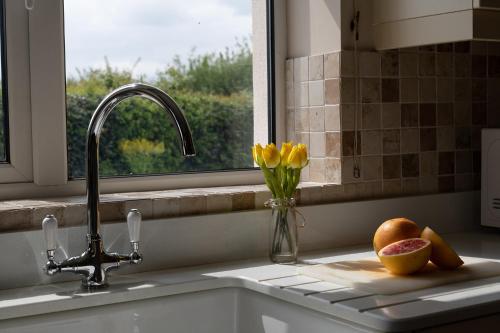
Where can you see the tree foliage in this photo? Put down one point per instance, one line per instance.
(215, 92)
(224, 73)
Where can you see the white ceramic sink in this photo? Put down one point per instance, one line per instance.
(227, 310)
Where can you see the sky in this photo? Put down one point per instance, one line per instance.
(152, 30)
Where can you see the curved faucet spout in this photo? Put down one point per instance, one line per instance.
(94, 131)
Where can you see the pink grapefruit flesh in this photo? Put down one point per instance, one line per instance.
(409, 245)
(406, 256)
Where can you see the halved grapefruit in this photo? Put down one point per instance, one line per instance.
(406, 256)
(442, 254)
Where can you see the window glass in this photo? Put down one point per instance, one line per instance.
(3, 97)
(198, 51)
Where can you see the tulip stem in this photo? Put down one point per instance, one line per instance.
(282, 231)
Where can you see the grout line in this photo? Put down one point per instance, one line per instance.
(295, 285)
(324, 291)
(276, 278)
(351, 298)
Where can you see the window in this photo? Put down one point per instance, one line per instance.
(198, 51)
(63, 57)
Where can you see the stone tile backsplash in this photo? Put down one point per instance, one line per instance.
(419, 118)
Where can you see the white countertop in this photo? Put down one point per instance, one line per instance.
(382, 312)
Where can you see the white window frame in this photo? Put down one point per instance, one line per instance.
(18, 94)
(47, 172)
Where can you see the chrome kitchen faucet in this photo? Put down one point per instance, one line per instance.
(94, 263)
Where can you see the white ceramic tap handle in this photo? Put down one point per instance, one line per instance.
(49, 226)
(134, 218)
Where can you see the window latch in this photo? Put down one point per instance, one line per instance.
(29, 4)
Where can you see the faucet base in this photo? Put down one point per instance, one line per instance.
(86, 286)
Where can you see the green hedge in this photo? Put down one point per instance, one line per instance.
(222, 127)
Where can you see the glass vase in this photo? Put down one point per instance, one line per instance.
(284, 231)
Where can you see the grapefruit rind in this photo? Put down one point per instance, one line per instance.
(406, 256)
(394, 230)
(442, 254)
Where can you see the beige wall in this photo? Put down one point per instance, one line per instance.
(313, 27)
(322, 26)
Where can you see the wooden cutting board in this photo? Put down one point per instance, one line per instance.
(370, 275)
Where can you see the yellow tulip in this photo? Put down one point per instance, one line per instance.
(294, 158)
(257, 154)
(271, 155)
(286, 148)
(298, 157)
(303, 154)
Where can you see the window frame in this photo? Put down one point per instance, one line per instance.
(49, 173)
(19, 167)
(4, 86)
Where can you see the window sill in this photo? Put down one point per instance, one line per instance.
(17, 215)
